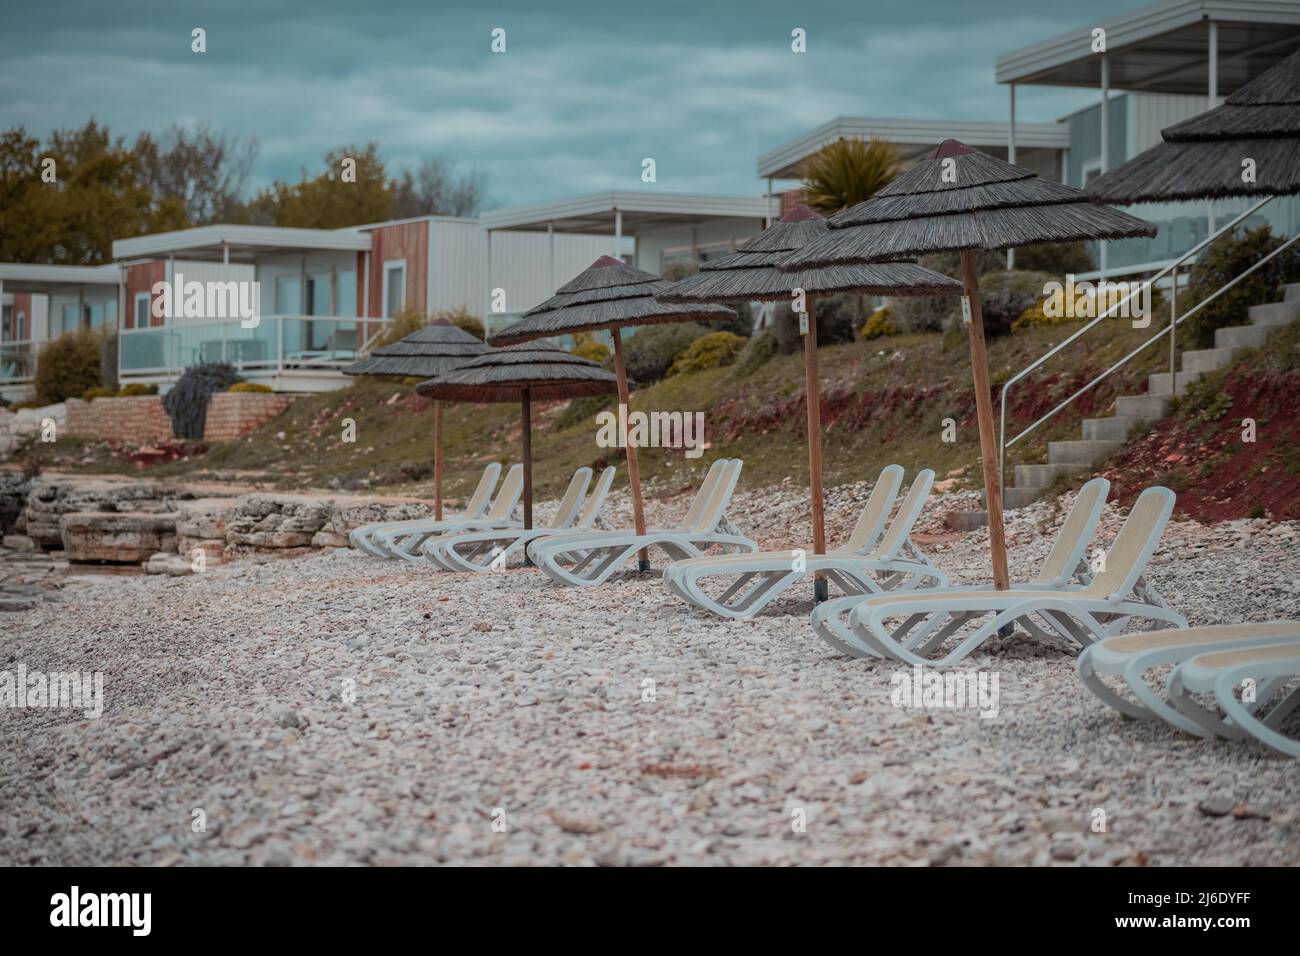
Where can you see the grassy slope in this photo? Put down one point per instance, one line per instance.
(883, 401)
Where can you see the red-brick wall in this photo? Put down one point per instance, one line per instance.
(790, 199)
(22, 329)
(409, 241)
(141, 278)
(231, 414)
(138, 420)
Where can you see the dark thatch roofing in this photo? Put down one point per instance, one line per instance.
(986, 204)
(608, 294)
(501, 375)
(1202, 157)
(432, 350)
(750, 272)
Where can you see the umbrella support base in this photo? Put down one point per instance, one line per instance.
(821, 591)
(643, 565)
(1006, 630)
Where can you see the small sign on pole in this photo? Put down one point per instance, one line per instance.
(803, 323)
(965, 310)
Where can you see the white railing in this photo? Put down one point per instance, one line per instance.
(1170, 330)
(17, 362)
(278, 343)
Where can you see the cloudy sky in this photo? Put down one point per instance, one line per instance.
(582, 93)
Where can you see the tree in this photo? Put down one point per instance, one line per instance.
(352, 190)
(435, 189)
(205, 172)
(844, 173)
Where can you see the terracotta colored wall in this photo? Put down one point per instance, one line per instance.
(409, 241)
(22, 303)
(138, 420)
(141, 278)
(231, 414)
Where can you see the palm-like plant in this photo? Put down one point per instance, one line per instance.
(847, 172)
(844, 173)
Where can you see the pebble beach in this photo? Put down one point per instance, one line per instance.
(342, 709)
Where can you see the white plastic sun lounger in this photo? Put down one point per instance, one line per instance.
(1132, 656)
(589, 558)
(1261, 672)
(405, 542)
(486, 550)
(1102, 608)
(363, 537)
(864, 565)
(1066, 564)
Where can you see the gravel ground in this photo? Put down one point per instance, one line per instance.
(342, 709)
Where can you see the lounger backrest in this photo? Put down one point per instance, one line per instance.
(908, 512)
(508, 496)
(478, 501)
(591, 511)
(716, 506)
(1071, 543)
(1134, 545)
(874, 513)
(572, 499)
(702, 496)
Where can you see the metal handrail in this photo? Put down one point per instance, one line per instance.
(1171, 268)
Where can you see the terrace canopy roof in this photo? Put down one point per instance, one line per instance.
(42, 278)
(624, 213)
(1163, 48)
(913, 139)
(239, 243)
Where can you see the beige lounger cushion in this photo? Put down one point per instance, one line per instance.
(1209, 634)
(1249, 655)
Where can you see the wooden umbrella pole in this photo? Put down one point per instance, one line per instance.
(633, 466)
(984, 413)
(815, 448)
(527, 405)
(437, 459)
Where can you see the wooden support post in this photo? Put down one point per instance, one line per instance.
(437, 459)
(984, 413)
(527, 405)
(633, 466)
(820, 592)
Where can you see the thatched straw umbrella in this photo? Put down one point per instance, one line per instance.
(612, 295)
(959, 199)
(436, 348)
(750, 273)
(1203, 157)
(522, 373)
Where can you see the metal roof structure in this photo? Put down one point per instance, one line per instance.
(601, 214)
(241, 243)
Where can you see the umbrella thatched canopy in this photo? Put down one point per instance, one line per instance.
(609, 294)
(750, 273)
(1201, 158)
(959, 199)
(522, 373)
(436, 348)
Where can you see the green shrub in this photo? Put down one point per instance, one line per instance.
(133, 389)
(187, 403)
(586, 346)
(1225, 259)
(1056, 258)
(880, 322)
(463, 320)
(68, 366)
(582, 411)
(99, 391)
(255, 387)
(1257, 511)
(1006, 296)
(757, 352)
(708, 351)
(650, 352)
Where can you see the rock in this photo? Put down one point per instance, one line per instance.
(116, 537)
(19, 542)
(175, 565)
(10, 603)
(1215, 807)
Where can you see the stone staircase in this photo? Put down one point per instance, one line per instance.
(1102, 437)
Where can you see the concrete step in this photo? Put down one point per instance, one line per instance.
(1080, 452)
(1145, 408)
(1013, 498)
(1108, 429)
(1160, 383)
(1206, 360)
(1275, 313)
(1241, 337)
(1291, 292)
(1041, 476)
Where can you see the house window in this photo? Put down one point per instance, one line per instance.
(394, 287)
(142, 306)
(7, 331)
(318, 294)
(288, 295)
(346, 306)
(69, 319)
